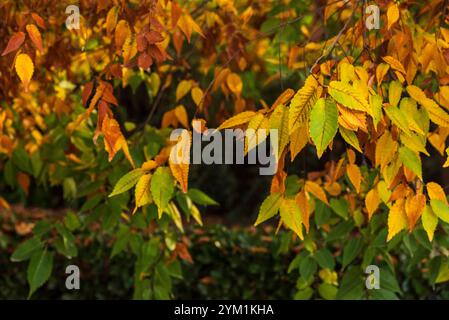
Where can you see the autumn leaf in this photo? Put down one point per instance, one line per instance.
(179, 160)
(269, 208)
(142, 192)
(429, 221)
(24, 69)
(348, 96)
(372, 202)
(35, 36)
(183, 88)
(14, 42)
(414, 207)
(315, 189)
(234, 83)
(392, 15)
(397, 219)
(237, 120)
(114, 139)
(291, 216)
(301, 104)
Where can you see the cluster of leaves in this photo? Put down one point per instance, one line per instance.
(382, 93)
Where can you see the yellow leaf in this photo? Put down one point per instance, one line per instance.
(414, 207)
(395, 64)
(181, 116)
(24, 69)
(315, 189)
(291, 216)
(188, 25)
(197, 95)
(372, 202)
(397, 219)
(234, 83)
(355, 176)
(392, 15)
(349, 96)
(129, 49)
(435, 191)
(253, 136)
(279, 122)
(383, 191)
(429, 221)
(237, 120)
(381, 71)
(142, 192)
(179, 160)
(183, 88)
(386, 148)
(394, 92)
(302, 103)
(436, 113)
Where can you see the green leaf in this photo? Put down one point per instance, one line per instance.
(340, 207)
(71, 221)
(323, 123)
(348, 96)
(21, 159)
(429, 221)
(269, 208)
(441, 209)
(120, 243)
(351, 250)
(162, 188)
(327, 291)
(325, 259)
(411, 160)
(127, 182)
(201, 198)
(351, 287)
(350, 137)
(39, 269)
(307, 267)
(398, 118)
(26, 249)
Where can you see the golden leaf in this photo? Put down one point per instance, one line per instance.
(24, 69)
(234, 83)
(414, 207)
(435, 191)
(179, 160)
(315, 189)
(397, 219)
(142, 192)
(372, 202)
(355, 176)
(392, 15)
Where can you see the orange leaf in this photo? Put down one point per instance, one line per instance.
(14, 42)
(315, 189)
(35, 36)
(414, 207)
